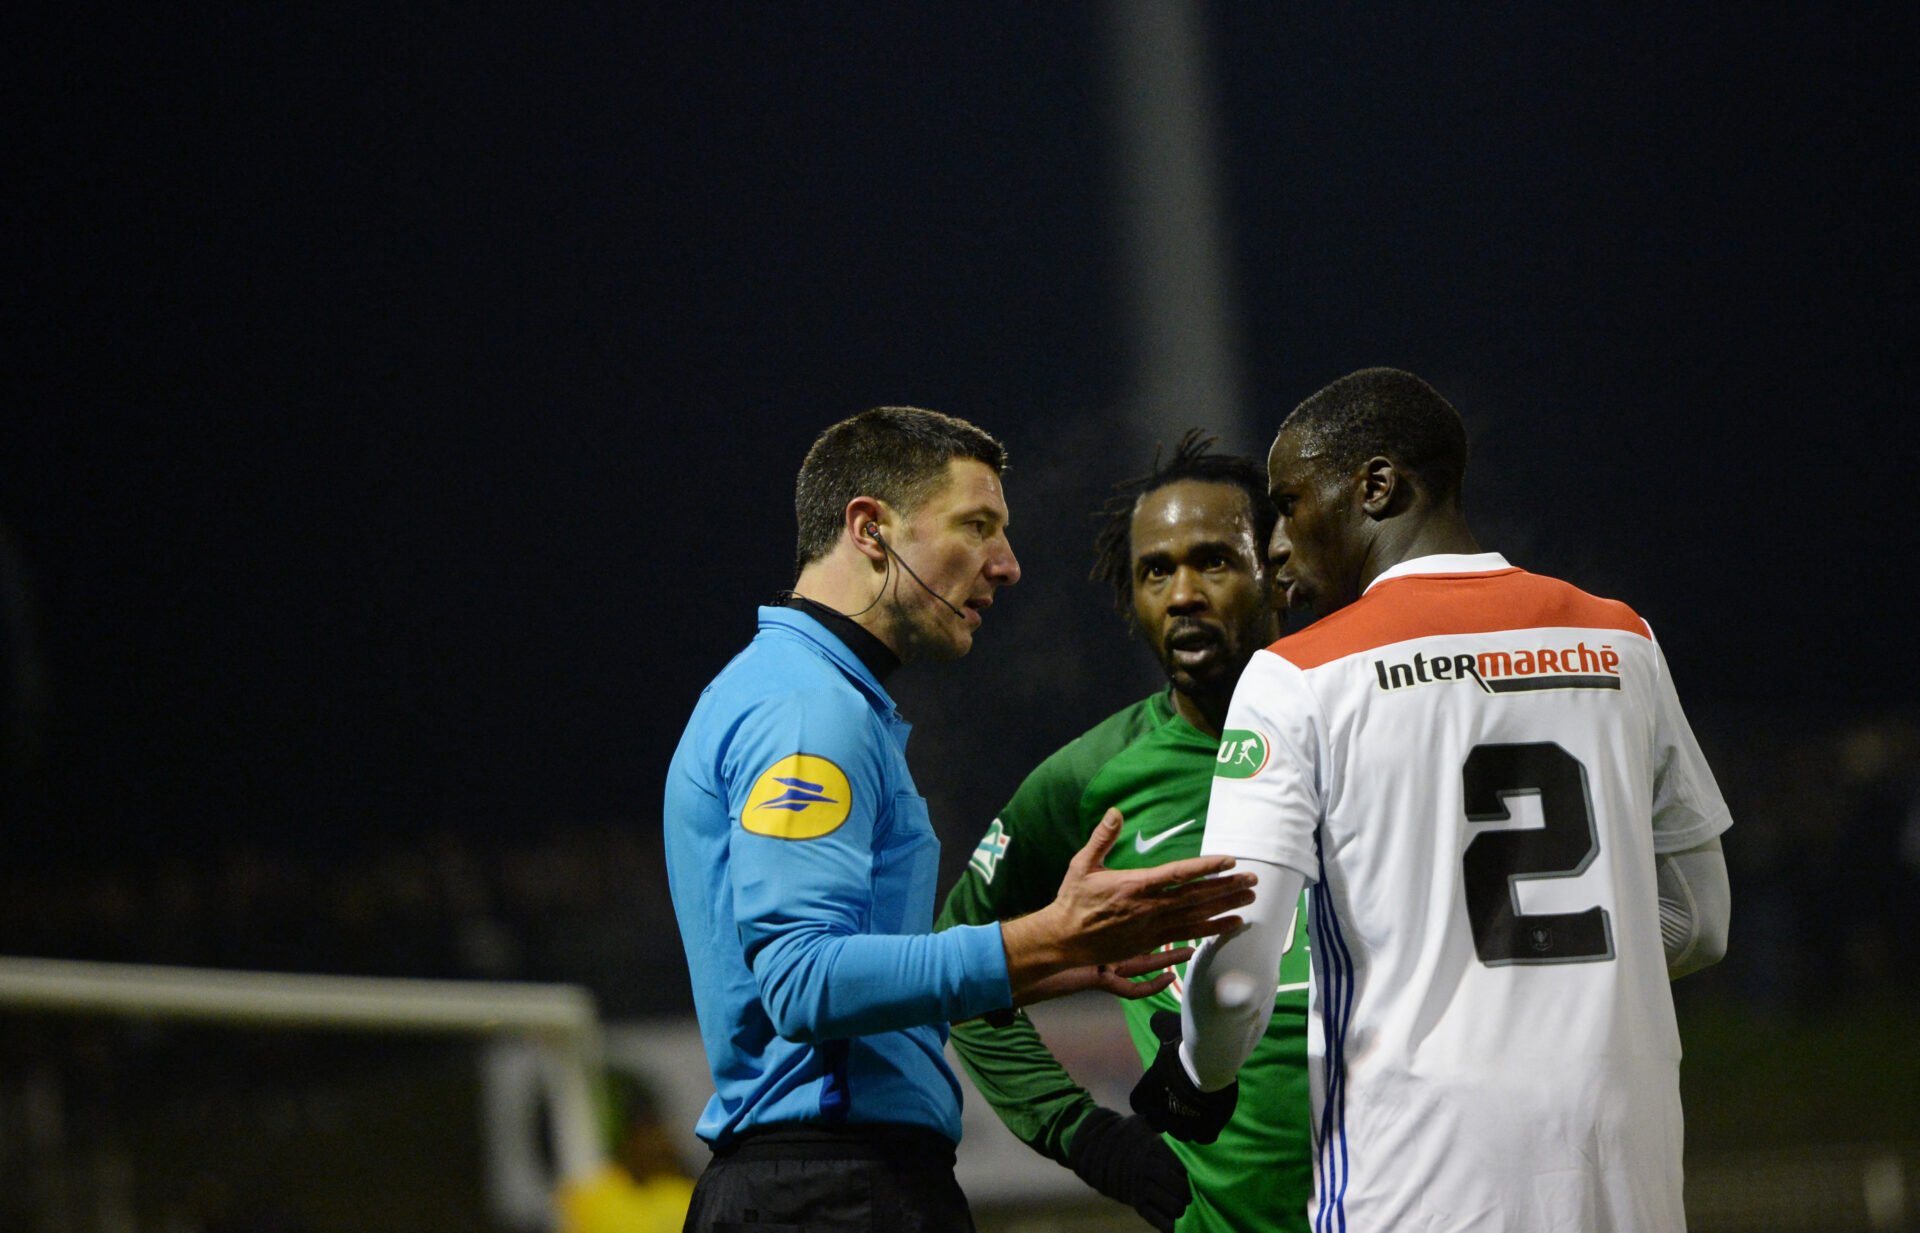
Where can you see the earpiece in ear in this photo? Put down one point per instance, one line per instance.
(872, 532)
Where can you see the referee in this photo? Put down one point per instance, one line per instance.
(802, 862)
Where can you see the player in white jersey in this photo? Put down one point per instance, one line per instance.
(1512, 840)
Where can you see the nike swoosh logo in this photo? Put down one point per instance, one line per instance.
(1142, 844)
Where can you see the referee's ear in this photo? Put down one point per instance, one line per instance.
(862, 522)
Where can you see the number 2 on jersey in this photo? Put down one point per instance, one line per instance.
(1495, 860)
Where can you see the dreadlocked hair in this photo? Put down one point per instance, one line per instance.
(1192, 459)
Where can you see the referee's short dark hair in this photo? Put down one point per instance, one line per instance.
(1384, 412)
(1192, 460)
(896, 454)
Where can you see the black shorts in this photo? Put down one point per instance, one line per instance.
(818, 1179)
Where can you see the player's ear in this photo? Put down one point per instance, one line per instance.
(1382, 487)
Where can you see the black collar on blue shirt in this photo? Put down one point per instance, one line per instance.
(875, 654)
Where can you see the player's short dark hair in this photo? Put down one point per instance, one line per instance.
(1192, 460)
(896, 454)
(1384, 412)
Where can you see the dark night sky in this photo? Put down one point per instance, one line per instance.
(403, 403)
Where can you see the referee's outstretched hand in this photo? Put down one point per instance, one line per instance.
(1109, 916)
(1170, 1101)
(1124, 1159)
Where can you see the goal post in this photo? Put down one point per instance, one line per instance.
(560, 1020)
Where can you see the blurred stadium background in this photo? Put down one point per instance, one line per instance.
(402, 405)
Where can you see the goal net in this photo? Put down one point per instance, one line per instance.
(178, 1100)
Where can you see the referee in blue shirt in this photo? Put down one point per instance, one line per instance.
(802, 862)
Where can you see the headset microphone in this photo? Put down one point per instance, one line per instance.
(873, 533)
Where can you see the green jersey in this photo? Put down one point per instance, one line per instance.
(1157, 769)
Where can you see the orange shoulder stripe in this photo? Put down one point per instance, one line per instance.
(1432, 605)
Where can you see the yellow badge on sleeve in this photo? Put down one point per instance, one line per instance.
(798, 797)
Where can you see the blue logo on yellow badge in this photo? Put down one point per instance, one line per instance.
(798, 797)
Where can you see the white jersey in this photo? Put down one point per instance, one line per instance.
(1475, 766)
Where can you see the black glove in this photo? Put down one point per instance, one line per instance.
(1169, 1100)
(1124, 1159)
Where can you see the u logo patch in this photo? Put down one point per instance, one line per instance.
(798, 797)
(1242, 755)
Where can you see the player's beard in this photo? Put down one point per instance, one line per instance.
(1209, 683)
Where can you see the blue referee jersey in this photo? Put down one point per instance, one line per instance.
(803, 870)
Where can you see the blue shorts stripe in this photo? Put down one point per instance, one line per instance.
(1336, 960)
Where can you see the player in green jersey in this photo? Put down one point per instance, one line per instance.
(1184, 548)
